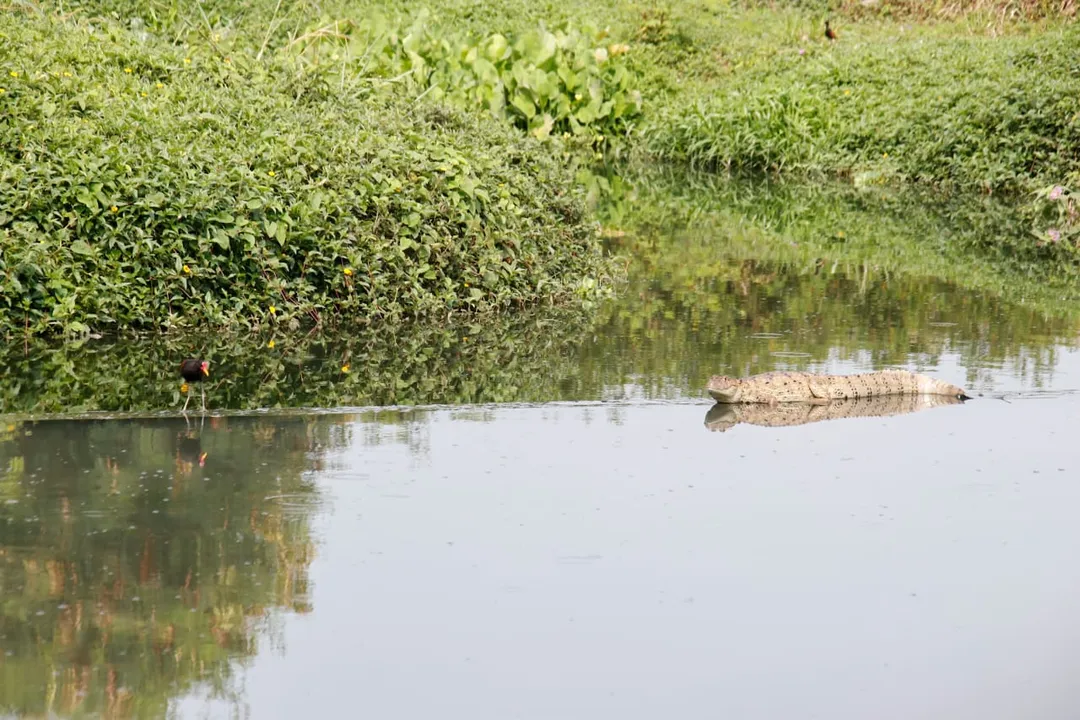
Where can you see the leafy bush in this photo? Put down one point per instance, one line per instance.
(148, 186)
(566, 81)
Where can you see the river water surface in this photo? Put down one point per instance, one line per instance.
(552, 527)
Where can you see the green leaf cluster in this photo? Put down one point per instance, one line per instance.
(152, 186)
(570, 81)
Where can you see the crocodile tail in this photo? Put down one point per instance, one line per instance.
(932, 386)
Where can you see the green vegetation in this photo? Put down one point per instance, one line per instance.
(142, 185)
(236, 164)
(869, 277)
(979, 113)
(746, 277)
(976, 242)
(565, 82)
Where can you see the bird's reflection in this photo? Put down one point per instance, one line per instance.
(189, 452)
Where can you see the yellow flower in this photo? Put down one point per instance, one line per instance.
(273, 309)
(114, 209)
(847, 92)
(347, 271)
(466, 284)
(184, 387)
(13, 74)
(159, 85)
(67, 74)
(271, 173)
(187, 270)
(885, 155)
(187, 61)
(143, 93)
(270, 344)
(840, 234)
(127, 70)
(345, 368)
(1, 91)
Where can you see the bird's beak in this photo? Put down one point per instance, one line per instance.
(206, 369)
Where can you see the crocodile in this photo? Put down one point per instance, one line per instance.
(724, 416)
(779, 387)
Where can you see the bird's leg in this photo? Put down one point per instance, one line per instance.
(186, 400)
(203, 388)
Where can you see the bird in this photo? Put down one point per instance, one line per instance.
(829, 32)
(194, 371)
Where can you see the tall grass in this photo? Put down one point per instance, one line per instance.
(979, 113)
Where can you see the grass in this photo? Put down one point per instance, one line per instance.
(977, 113)
(424, 155)
(152, 186)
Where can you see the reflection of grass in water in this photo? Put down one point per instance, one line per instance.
(838, 274)
(132, 573)
(504, 358)
(871, 277)
(973, 241)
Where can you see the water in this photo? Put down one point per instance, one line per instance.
(560, 524)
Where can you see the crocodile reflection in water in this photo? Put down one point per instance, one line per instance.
(722, 416)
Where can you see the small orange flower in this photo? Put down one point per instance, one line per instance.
(184, 388)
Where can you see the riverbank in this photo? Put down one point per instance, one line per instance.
(245, 165)
(145, 185)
